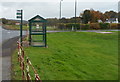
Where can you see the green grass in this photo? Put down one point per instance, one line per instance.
(15, 27)
(25, 27)
(74, 56)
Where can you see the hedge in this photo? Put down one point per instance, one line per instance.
(113, 26)
(91, 26)
(61, 26)
(94, 26)
(84, 26)
(118, 26)
(104, 25)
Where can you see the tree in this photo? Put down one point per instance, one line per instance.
(72, 20)
(4, 21)
(119, 17)
(103, 17)
(86, 16)
(96, 15)
(92, 16)
(63, 20)
(111, 15)
(52, 21)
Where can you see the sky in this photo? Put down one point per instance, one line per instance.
(51, 8)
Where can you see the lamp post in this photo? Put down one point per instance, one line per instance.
(75, 12)
(119, 12)
(60, 8)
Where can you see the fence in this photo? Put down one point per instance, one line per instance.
(25, 65)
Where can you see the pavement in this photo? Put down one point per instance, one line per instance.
(8, 43)
(8, 48)
(0, 68)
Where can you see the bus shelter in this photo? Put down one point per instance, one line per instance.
(37, 31)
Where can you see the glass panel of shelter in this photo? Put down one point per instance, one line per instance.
(37, 27)
(37, 40)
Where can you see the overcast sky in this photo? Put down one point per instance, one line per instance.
(50, 8)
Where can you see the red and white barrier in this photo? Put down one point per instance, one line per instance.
(25, 65)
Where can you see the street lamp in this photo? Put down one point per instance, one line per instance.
(75, 9)
(60, 8)
(75, 12)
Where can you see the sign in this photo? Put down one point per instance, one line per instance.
(19, 13)
(18, 16)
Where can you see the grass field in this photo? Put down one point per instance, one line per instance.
(17, 27)
(74, 56)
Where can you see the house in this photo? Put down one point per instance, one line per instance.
(17, 23)
(112, 20)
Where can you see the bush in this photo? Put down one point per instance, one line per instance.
(113, 26)
(118, 26)
(61, 26)
(78, 26)
(94, 26)
(70, 25)
(84, 26)
(104, 25)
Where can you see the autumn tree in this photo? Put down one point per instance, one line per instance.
(96, 15)
(103, 17)
(93, 16)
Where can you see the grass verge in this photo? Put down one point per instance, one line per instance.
(74, 56)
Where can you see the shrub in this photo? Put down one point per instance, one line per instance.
(113, 26)
(61, 26)
(94, 26)
(78, 26)
(84, 26)
(118, 26)
(104, 25)
(70, 25)
(88, 26)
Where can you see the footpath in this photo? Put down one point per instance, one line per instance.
(8, 48)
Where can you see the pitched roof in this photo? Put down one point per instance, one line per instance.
(37, 18)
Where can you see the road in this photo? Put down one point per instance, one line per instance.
(7, 45)
(0, 57)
